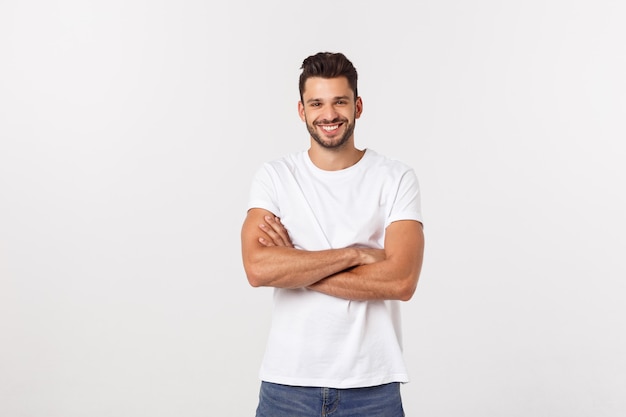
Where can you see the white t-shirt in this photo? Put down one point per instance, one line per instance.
(316, 339)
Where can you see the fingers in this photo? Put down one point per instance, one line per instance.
(276, 233)
(266, 242)
(278, 227)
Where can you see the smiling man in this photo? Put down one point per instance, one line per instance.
(337, 232)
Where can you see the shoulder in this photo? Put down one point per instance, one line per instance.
(377, 161)
(286, 163)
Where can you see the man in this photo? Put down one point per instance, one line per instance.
(337, 232)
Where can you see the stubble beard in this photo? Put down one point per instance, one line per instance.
(331, 145)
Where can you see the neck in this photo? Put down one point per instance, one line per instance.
(334, 159)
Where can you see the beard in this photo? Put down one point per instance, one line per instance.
(331, 144)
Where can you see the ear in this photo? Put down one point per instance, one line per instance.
(301, 111)
(359, 107)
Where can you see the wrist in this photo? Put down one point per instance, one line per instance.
(360, 257)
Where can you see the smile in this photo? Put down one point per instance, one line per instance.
(330, 128)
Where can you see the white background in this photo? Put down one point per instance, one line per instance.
(129, 133)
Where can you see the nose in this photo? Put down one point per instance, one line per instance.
(329, 113)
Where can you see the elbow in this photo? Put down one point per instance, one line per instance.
(258, 273)
(255, 276)
(408, 284)
(254, 281)
(407, 288)
(254, 272)
(260, 270)
(406, 294)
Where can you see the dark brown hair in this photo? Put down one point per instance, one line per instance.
(328, 65)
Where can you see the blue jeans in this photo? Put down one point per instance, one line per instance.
(277, 400)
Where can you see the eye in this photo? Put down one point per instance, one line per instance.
(341, 102)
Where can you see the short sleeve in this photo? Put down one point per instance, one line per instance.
(407, 203)
(263, 191)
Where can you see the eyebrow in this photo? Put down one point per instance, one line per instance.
(317, 100)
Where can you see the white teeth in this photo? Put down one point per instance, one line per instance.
(329, 128)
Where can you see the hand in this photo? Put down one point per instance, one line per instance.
(276, 234)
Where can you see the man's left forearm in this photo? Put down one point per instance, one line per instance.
(379, 281)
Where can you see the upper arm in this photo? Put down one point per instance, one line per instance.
(250, 234)
(404, 250)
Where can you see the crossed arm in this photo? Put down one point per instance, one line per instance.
(270, 259)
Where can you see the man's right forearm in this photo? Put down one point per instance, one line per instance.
(294, 268)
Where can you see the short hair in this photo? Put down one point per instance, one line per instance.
(328, 65)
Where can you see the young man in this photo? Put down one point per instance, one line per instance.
(337, 232)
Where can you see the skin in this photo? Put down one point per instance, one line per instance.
(269, 257)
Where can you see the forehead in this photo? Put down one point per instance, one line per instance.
(321, 88)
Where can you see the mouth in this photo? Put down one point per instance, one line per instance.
(329, 128)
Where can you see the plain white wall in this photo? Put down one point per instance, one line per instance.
(129, 132)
